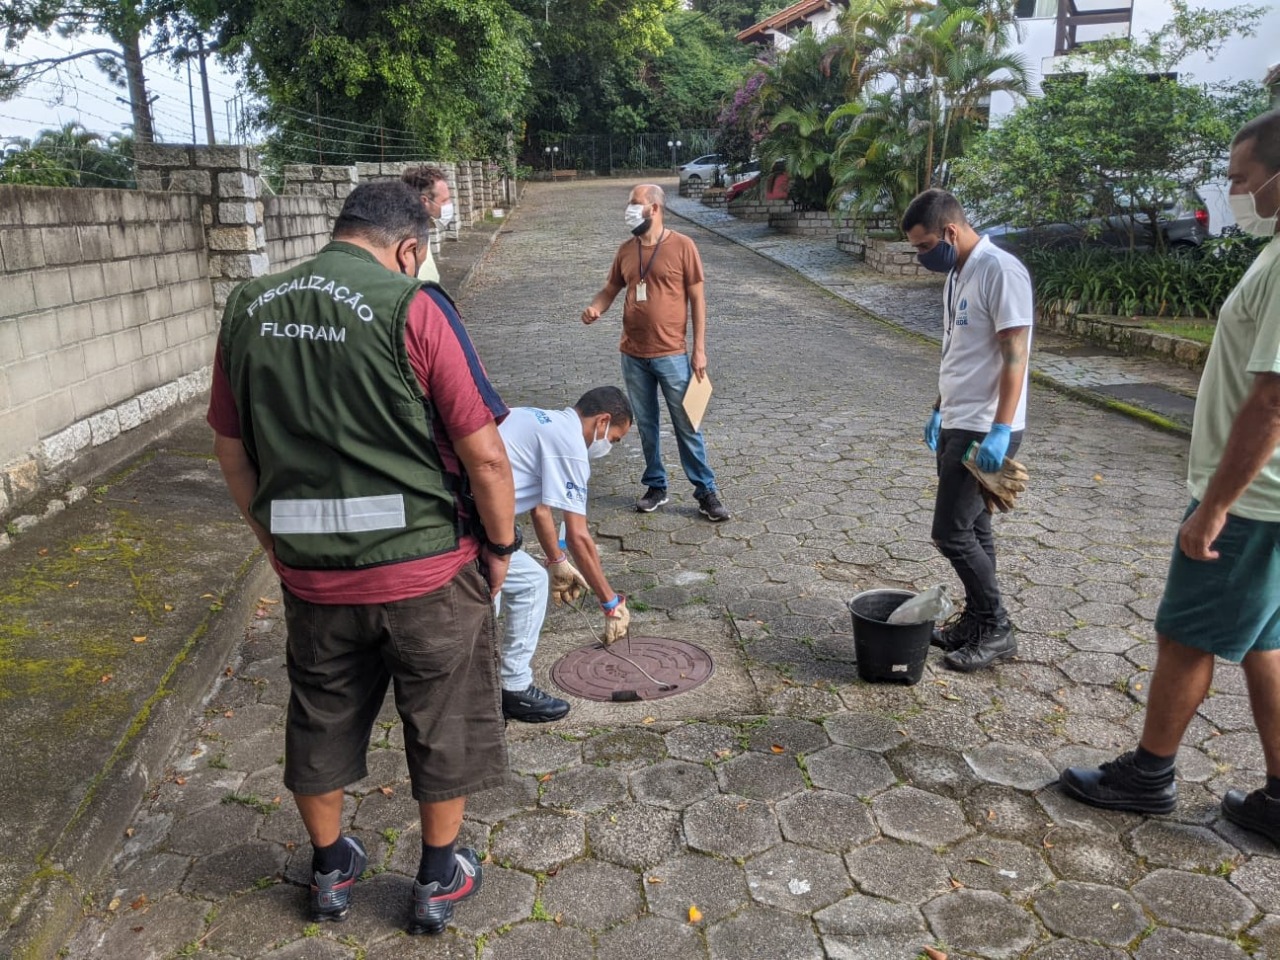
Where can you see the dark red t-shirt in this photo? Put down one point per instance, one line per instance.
(464, 401)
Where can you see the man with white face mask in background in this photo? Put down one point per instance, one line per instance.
(433, 187)
(1222, 595)
(550, 453)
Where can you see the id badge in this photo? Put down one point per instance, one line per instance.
(642, 292)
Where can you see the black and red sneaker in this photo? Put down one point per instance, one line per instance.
(331, 892)
(433, 902)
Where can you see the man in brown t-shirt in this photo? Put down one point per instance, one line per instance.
(662, 275)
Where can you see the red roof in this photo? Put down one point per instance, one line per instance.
(780, 21)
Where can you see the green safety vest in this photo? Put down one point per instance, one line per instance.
(333, 416)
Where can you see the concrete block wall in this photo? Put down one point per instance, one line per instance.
(752, 208)
(296, 228)
(893, 258)
(104, 300)
(808, 223)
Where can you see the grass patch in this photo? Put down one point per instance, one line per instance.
(1199, 332)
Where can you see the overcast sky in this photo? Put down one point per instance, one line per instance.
(84, 95)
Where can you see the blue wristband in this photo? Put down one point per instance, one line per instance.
(612, 604)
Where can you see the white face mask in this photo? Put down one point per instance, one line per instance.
(1244, 207)
(446, 214)
(600, 446)
(634, 215)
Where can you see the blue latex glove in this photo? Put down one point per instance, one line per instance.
(932, 429)
(994, 447)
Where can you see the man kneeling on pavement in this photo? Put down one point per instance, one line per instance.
(1222, 596)
(551, 453)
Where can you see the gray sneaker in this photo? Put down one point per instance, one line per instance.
(709, 506)
(653, 498)
(331, 892)
(433, 903)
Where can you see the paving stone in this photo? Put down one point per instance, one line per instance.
(544, 754)
(593, 895)
(899, 871)
(585, 789)
(546, 941)
(826, 820)
(235, 869)
(1266, 934)
(212, 829)
(445, 946)
(624, 747)
(761, 776)
(867, 928)
(506, 897)
(1076, 950)
(797, 879)
(717, 887)
(699, 742)
(1005, 812)
(153, 934)
(980, 922)
(1091, 911)
(916, 816)
(380, 811)
(1176, 845)
(156, 875)
(251, 925)
(792, 735)
(1259, 879)
(761, 933)
(652, 938)
(516, 795)
(1085, 855)
(539, 840)
(673, 784)
(866, 731)
(1069, 813)
(1166, 943)
(1194, 902)
(316, 948)
(730, 827)
(933, 769)
(1011, 766)
(987, 863)
(634, 835)
(856, 773)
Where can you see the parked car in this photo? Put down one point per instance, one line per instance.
(742, 186)
(743, 171)
(704, 168)
(1183, 224)
(777, 185)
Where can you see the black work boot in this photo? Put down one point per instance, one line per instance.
(955, 633)
(1254, 811)
(987, 643)
(1120, 784)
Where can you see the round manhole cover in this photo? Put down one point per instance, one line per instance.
(637, 668)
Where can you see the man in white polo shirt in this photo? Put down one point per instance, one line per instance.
(982, 400)
(550, 453)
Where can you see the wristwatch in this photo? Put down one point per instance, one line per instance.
(505, 550)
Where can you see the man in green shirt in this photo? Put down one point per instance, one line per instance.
(1223, 592)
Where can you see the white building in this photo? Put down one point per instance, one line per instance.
(781, 29)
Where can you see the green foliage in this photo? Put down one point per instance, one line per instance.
(1143, 283)
(69, 157)
(1055, 161)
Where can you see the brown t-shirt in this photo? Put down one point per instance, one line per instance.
(656, 327)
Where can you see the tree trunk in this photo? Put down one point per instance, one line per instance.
(139, 103)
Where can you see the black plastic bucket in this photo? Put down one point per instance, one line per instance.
(887, 652)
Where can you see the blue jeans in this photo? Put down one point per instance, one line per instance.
(644, 377)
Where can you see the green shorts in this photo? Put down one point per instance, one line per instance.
(1231, 605)
(441, 652)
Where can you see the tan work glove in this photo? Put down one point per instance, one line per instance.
(999, 489)
(567, 584)
(616, 623)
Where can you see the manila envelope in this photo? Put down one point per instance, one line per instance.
(696, 396)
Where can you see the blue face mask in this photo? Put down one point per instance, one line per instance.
(940, 259)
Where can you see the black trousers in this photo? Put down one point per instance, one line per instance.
(962, 524)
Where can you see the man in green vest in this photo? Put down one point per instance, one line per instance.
(358, 434)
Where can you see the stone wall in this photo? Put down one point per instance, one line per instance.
(1127, 335)
(809, 223)
(853, 243)
(750, 207)
(895, 258)
(106, 313)
(296, 228)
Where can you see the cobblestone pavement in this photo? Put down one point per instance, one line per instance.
(811, 815)
(914, 305)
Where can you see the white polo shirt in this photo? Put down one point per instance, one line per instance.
(548, 458)
(991, 293)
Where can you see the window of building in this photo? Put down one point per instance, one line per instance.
(1035, 9)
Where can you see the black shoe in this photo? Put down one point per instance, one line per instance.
(1254, 811)
(331, 892)
(532, 705)
(653, 498)
(1120, 784)
(709, 506)
(955, 633)
(433, 903)
(987, 643)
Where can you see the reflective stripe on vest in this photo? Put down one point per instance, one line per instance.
(352, 515)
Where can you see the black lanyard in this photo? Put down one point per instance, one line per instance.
(949, 295)
(644, 270)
